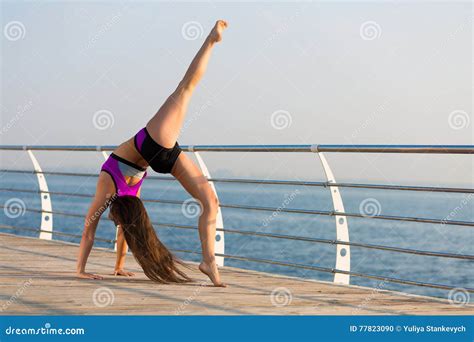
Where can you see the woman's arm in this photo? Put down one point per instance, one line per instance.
(104, 191)
(121, 253)
(87, 242)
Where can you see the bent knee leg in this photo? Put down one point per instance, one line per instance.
(209, 201)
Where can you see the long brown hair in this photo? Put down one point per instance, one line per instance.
(158, 263)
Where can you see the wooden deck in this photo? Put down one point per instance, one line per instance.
(37, 277)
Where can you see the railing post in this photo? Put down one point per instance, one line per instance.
(105, 155)
(220, 245)
(343, 252)
(46, 227)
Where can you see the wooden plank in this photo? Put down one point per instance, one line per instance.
(37, 277)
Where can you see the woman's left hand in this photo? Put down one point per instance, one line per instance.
(124, 273)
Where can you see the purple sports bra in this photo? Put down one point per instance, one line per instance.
(118, 168)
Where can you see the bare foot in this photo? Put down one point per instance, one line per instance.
(124, 273)
(85, 275)
(216, 33)
(211, 271)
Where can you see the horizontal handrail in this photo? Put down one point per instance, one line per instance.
(287, 237)
(275, 182)
(284, 210)
(296, 265)
(450, 149)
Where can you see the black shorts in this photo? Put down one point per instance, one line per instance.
(160, 159)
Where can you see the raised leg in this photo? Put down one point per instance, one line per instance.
(166, 124)
(197, 185)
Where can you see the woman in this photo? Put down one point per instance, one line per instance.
(122, 174)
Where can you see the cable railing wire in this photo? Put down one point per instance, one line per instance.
(35, 230)
(284, 210)
(285, 237)
(276, 182)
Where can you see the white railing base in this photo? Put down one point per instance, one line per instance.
(343, 252)
(46, 205)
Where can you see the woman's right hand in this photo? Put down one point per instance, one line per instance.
(84, 275)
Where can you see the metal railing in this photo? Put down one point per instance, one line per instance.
(449, 149)
(341, 271)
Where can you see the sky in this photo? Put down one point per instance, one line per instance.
(93, 73)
